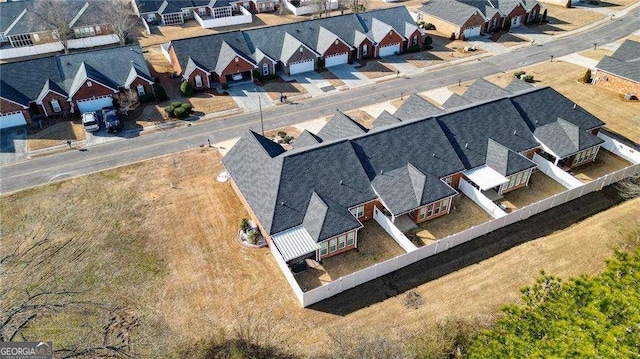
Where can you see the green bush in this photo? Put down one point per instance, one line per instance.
(159, 92)
(225, 86)
(518, 74)
(187, 107)
(586, 78)
(320, 64)
(527, 78)
(148, 97)
(244, 225)
(180, 112)
(176, 104)
(287, 139)
(282, 134)
(429, 26)
(415, 48)
(186, 89)
(253, 237)
(169, 110)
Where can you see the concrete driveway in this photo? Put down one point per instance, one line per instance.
(350, 76)
(315, 84)
(531, 34)
(249, 97)
(399, 64)
(580, 61)
(13, 144)
(488, 45)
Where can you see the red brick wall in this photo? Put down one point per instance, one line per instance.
(518, 11)
(205, 79)
(474, 21)
(369, 49)
(138, 81)
(536, 10)
(490, 26)
(346, 248)
(391, 38)
(300, 56)
(46, 103)
(95, 90)
(338, 48)
(8, 107)
(455, 179)
(409, 43)
(368, 210)
(615, 83)
(174, 61)
(235, 67)
(269, 63)
(416, 212)
(529, 154)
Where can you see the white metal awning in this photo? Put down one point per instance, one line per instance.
(294, 242)
(485, 177)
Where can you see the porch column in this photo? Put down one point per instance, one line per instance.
(556, 161)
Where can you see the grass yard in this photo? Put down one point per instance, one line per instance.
(562, 19)
(421, 59)
(374, 69)
(596, 54)
(362, 117)
(605, 163)
(464, 215)
(374, 245)
(161, 243)
(620, 116)
(57, 134)
(289, 89)
(507, 39)
(540, 187)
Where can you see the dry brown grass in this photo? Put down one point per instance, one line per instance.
(209, 102)
(361, 117)
(464, 215)
(460, 89)
(374, 69)
(190, 221)
(421, 59)
(510, 40)
(332, 79)
(619, 115)
(563, 19)
(502, 79)
(605, 163)
(57, 134)
(596, 54)
(540, 187)
(289, 89)
(374, 245)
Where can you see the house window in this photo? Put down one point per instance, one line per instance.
(202, 11)
(219, 12)
(98, 30)
(55, 105)
(350, 238)
(448, 180)
(430, 210)
(84, 31)
(358, 211)
(21, 40)
(89, 84)
(36, 37)
(140, 89)
(151, 17)
(324, 249)
(186, 12)
(198, 80)
(445, 204)
(265, 69)
(332, 245)
(414, 40)
(365, 49)
(422, 213)
(342, 241)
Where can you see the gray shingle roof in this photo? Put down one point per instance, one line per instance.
(226, 54)
(505, 6)
(415, 108)
(407, 188)
(306, 139)
(483, 90)
(325, 218)
(397, 17)
(564, 138)
(340, 126)
(87, 72)
(517, 85)
(454, 12)
(145, 6)
(384, 119)
(50, 86)
(30, 23)
(10, 93)
(205, 50)
(29, 76)
(470, 129)
(10, 11)
(504, 160)
(454, 101)
(543, 106)
(624, 62)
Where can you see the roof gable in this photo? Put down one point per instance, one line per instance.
(325, 219)
(226, 55)
(306, 139)
(564, 138)
(385, 119)
(504, 160)
(415, 107)
(517, 85)
(483, 90)
(340, 126)
(50, 86)
(454, 101)
(455, 12)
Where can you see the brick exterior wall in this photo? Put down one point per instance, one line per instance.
(534, 10)
(44, 37)
(529, 154)
(270, 64)
(615, 83)
(46, 104)
(416, 212)
(138, 81)
(518, 11)
(300, 56)
(346, 248)
(174, 61)
(95, 90)
(338, 48)
(205, 79)
(498, 23)
(369, 50)
(474, 21)
(234, 67)
(446, 28)
(391, 38)
(9, 107)
(409, 42)
(455, 179)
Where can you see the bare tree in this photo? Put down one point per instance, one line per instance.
(128, 101)
(630, 187)
(53, 15)
(322, 7)
(357, 6)
(119, 15)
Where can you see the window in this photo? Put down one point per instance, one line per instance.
(445, 204)
(55, 105)
(422, 213)
(332, 245)
(341, 241)
(186, 12)
(198, 80)
(36, 37)
(265, 69)
(358, 211)
(89, 84)
(140, 89)
(350, 238)
(429, 210)
(151, 17)
(365, 49)
(202, 11)
(84, 31)
(21, 40)
(98, 30)
(324, 249)
(414, 40)
(448, 180)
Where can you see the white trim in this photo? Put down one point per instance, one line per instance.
(39, 101)
(19, 104)
(90, 79)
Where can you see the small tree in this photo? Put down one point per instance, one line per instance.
(426, 45)
(159, 92)
(53, 15)
(253, 237)
(119, 15)
(245, 226)
(128, 101)
(586, 78)
(186, 89)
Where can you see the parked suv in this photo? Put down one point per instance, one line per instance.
(111, 119)
(90, 121)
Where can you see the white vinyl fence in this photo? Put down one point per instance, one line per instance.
(377, 270)
(393, 231)
(480, 199)
(208, 23)
(619, 148)
(308, 7)
(555, 172)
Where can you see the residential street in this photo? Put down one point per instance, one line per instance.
(37, 171)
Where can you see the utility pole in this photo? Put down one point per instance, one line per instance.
(260, 107)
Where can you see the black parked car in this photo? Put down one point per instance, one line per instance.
(111, 119)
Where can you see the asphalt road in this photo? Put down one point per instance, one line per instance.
(56, 167)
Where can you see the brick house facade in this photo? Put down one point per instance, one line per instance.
(338, 47)
(615, 83)
(391, 38)
(7, 107)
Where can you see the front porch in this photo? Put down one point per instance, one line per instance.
(374, 246)
(605, 163)
(464, 214)
(540, 187)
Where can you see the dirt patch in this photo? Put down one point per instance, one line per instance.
(289, 89)
(374, 69)
(397, 102)
(280, 135)
(57, 134)
(620, 116)
(605, 163)
(501, 80)
(461, 88)
(361, 117)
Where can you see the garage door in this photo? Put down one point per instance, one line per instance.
(388, 50)
(12, 120)
(471, 32)
(337, 59)
(300, 67)
(515, 22)
(95, 104)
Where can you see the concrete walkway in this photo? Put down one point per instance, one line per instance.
(399, 64)
(488, 45)
(580, 60)
(350, 76)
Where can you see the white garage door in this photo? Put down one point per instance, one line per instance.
(337, 59)
(95, 104)
(12, 120)
(471, 32)
(388, 50)
(515, 22)
(300, 67)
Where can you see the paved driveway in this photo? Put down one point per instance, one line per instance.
(315, 84)
(399, 64)
(249, 97)
(580, 61)
(13, 144)
(488, 45)
(350, 76)
(528, 33)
